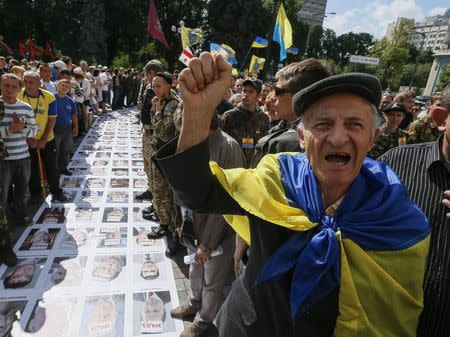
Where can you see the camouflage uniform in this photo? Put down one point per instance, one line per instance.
(163, 131)
(246, 128)
(387, 141)
(282, 125)
(423, 130)
(147, 134)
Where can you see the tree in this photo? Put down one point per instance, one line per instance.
(444, 78)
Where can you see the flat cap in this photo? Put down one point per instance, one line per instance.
(254, 82)
(360, 84)
(166, 76)
(154, 65)
(395, 107)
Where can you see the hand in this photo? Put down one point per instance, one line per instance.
(41, 144)
(154, 100)
(203, 254)
(446, 201)
(239, 251)
(203, 85)
(178, 231)
(32, 143)
(74, 132)
(159, 104)
(140, 105)
(17, 124)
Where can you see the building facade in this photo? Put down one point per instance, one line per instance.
(433, 32)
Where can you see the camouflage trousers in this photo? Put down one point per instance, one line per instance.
(166, 209)
(147, 153)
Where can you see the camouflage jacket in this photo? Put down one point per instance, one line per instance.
(163, 121)
(387, 141)
(147, 105)
(423, 130)
(246, 127)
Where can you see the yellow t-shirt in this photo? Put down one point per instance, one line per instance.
(44, 106)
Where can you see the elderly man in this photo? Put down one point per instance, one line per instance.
(425, 169)
(337, 246)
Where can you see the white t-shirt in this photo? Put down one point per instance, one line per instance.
(49, 86)
(104, 79)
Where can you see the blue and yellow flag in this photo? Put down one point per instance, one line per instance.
(373, 248)
(293, 50)
(228, 53)
(256, 64)
(190, 36)
(283, 32)
(260, 43)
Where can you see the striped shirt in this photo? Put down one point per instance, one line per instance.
(16, 143)
(422, 169)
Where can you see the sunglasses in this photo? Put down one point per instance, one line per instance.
(280, 91)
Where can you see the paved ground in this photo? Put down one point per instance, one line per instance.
(180, 270)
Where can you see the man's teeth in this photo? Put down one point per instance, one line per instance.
(338, 159)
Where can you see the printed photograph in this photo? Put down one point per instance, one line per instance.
(113, 237)
(86, 214)
(10, 312)
(115, 214)
(109, 269)
(139, 183)
(71, 182)
(40, 239)
(75, 238)
(53, 215)
(95, 183)
(119, 183)
(149, 267)
(117, 197)
(90, 197)
(24, 275)
(66, 271)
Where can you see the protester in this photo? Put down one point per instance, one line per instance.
(386, 99)
(46, 74)
(292, 205)
(424, 129)
(407, 98)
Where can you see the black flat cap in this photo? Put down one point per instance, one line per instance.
(254, 82)
(166, 76)
(364, 85)
(395, 107)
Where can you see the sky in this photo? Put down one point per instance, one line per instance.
(373, 16)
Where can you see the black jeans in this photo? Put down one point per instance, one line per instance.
(64, 144)
(48, 156)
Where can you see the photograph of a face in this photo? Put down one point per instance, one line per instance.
(95, 183)
(10, 312)
(108, 269)
(112, 237)
(120, 172)
(51, 317)
(141, 241)
(119, 183)
(149, 268)
(120, 163)
(85, 214)
(151, 313)
(40, 239)
(138, 172)
(117, 197)
(66, 271)
(90, 197)
(75, 238)
(71, 182)
(24, 275)
(115, 214)
(140, 183)
(98, 171)
(53, 215)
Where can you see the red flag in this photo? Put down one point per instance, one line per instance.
(186, 55)
(48, 50)
(32, 49)
(154, 26)
(22, 49)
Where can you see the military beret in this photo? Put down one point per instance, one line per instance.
(395, 107)
(254, 82)
(166, 76)
(153, 65)
(360, 84)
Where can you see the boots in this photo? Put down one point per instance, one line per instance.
(172, 244)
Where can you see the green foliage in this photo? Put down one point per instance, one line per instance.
(121, 60)
(421, 77)
(444, 78)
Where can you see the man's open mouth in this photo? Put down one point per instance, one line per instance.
(340, 159)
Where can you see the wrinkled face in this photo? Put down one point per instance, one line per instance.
(153, 309)
(394, 119)
(45, 73)
(160, 87)
(10, 88)
(149, 269)
(238, 86)
(409, 104)
(249, 95)
(23, 274)
(385, 100)
(31, 83)
(338, 135)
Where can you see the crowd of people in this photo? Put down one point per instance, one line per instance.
(324, 240)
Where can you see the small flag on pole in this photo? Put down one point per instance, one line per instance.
(154, 27)
(190, 36)
(293, 50)
(260, 42)
(282, 32)
(185, 56)
(256, 64)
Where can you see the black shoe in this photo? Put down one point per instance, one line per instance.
(26, 221)
(35, 199)
(172, 244)
(66, 172)
(158, 232)
(59, 197)
(146, 195)
(7, 256)
(150, 217)
(149, 210)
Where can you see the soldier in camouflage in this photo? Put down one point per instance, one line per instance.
(390, 133)
(164, 106)
(424, 129)
(150, 69)
(247, 123)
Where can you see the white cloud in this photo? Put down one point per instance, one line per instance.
(437, 11)
(374, 17)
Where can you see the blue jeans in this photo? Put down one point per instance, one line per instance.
(17, 173)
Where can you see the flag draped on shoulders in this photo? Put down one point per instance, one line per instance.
(374, 248)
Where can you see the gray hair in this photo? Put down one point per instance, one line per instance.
(32, 74)
(12, 77)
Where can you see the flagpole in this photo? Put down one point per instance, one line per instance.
(245, 58)
(269, 45)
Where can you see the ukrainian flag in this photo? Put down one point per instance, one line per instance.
(190, 37)
(260, 43)
(293, 50)
(226, 51)
(256, 64)
(374, 248)
(283, 32)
